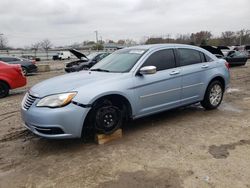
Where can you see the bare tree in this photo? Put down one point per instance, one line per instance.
(130, 42)
(243, 36)
(201, 38)
(35, 47)
(121, 42)
(183, 39)
(228, 38)
(3, 42)
(46, 45)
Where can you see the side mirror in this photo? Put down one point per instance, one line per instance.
(148, 70)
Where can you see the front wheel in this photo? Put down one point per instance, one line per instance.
(106, 117)
(4, 89)
(213, 95)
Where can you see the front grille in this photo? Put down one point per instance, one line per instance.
(29, 101)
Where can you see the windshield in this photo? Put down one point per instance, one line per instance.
(120, 61)
(91, 56)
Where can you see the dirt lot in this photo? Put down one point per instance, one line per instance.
(187, 147)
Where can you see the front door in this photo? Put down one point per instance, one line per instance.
(159, 91)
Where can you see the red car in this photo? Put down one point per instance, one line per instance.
(11, 77)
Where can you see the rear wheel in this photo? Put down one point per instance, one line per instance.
(213, 96)
(4, 89)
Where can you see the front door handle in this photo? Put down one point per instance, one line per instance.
(204, 66)
(175, 72)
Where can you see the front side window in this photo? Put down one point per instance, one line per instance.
(189, 57)
(120, 61)
(162, 60)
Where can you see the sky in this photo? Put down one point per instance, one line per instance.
(64, 22)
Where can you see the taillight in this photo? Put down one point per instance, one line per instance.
(20, 70)
(227, 65)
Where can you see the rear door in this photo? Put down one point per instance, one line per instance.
(195, 67)
(159, 91)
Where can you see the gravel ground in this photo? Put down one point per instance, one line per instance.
(186, 147)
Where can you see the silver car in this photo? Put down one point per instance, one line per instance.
(128, 84)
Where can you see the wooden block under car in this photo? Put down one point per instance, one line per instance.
(43, 68)
(103, 138)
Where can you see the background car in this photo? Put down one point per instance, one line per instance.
(84, 62)
(247, 48)
(128, 84)
(28, 66)
(31, 57)
(11, 77)
(233, 57)
(62, 55)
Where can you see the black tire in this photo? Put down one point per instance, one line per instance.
(105, 117)
(213, 95)
(25, 71)
(4, 89)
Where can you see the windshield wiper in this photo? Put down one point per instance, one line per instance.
(100, 70)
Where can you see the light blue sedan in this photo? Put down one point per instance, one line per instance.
(128, 84)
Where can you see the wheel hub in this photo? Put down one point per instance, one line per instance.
(108, 118)
(215, 95)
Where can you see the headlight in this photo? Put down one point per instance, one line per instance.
(58, 100)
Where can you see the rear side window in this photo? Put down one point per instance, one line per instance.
(203, 58)
(207, 58)
(189, 57)
(162, 60)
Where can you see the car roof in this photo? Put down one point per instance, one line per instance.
(152, 47)
(157, 46)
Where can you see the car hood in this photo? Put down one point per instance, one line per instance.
(70, 82)
(78, 54)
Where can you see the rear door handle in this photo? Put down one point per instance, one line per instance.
(204, 66)
(175, 72)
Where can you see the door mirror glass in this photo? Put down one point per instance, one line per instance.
(148, 70)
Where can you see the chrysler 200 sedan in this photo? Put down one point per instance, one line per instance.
(128, 84)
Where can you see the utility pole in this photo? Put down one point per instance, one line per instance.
(96, 35)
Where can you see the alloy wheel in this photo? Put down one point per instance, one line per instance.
(215, 95)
